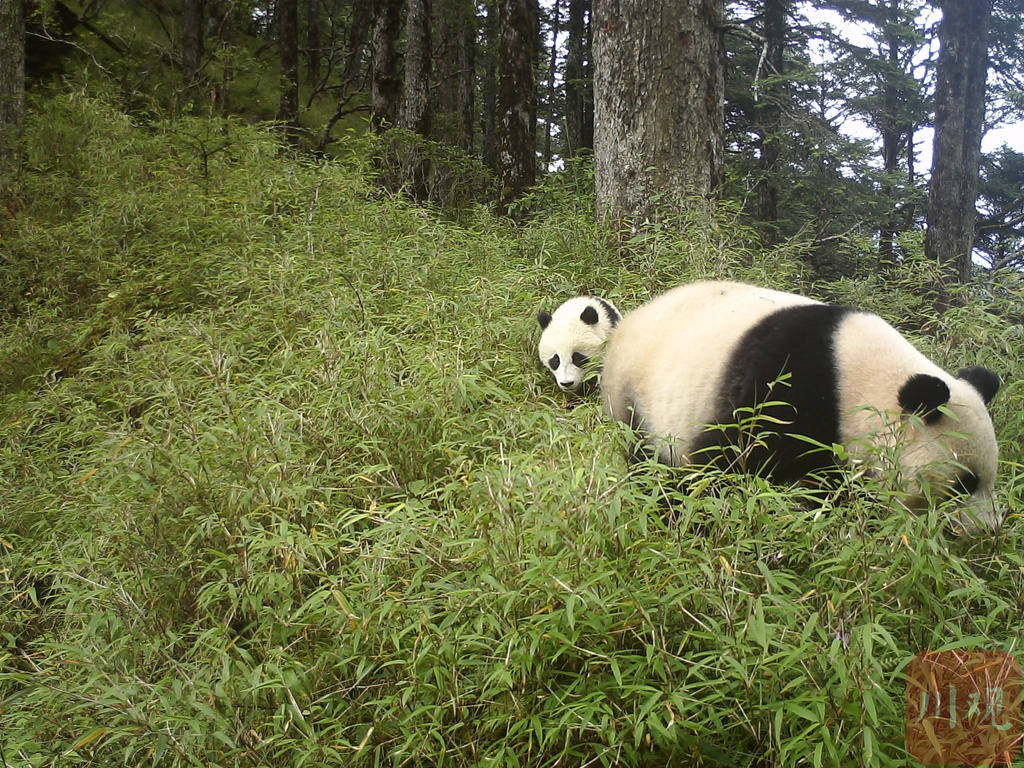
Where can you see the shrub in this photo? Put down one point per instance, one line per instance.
(284, 484)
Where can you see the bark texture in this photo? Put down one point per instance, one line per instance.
(416, 112)
(192, 46)
(12, 87)
(467, 77)
(771, 91)
(313, 52)
(287, 20)
(659, 106)
(959, 124)
(489, 85)
(516, 100)
(385, 80)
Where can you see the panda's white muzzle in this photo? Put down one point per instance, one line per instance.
(570, 377)
(980, 514)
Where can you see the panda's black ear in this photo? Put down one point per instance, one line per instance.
(923, 394)
(589, 316)
(982, 379)
(612, 312)
(544, 318)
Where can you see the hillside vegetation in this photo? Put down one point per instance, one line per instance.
(283, 484)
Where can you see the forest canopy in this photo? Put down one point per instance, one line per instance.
(489, 96)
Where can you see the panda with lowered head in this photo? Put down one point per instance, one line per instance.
(574, 336)
(815, 374)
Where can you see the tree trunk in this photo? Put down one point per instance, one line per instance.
(489, 86)
(356, 38)
(447, 20)
(659, 106)
(453, 65)
(360, 30)
(385, 82)
(516, 100)
(552, 112)
(959, 123)
(287, 20)
(467, 74)
(889, 124)
(192, 48)
(576, 85)
(895, 120)
(12, 90)
(774, 28)
(416, 112)
(313, 53)
(220, 28)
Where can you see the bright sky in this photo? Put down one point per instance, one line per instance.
(1013, 135)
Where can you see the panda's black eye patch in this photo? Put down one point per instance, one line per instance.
(966, 484)
(553, 362)
(579, 359)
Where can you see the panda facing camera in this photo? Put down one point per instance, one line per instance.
(709, 353)
(573, 340)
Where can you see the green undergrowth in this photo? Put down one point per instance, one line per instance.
(284, 484)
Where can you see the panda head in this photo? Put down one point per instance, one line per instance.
(573, 338)
(951, 444)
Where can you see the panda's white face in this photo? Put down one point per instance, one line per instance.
(573, 340)
(946, 444)
(970, 440)
(890, 392)
(947, 463)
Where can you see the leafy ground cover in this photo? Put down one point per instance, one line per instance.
(283, 484)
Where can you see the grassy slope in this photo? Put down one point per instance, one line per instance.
(283, 484)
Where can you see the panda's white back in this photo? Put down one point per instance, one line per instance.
(829, 374)
(668, 356)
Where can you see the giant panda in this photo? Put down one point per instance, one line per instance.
(573, 336)
(815, 375)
